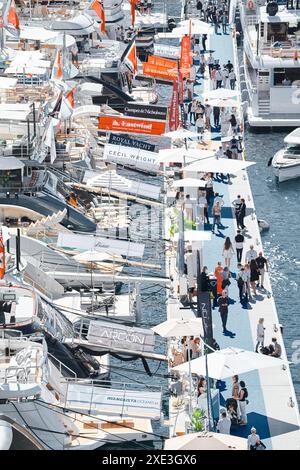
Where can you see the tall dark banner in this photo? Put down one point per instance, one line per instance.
(147, 111)
(204, 307)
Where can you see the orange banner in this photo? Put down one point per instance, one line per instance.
(168, 73)
(185, 57)
(156, 60)
(131, 125)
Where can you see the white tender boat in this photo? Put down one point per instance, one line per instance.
(286, 162)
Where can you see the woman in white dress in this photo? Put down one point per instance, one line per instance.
(228, 251)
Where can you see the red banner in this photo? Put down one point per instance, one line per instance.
(174, 109)
(156, 60)
(185, 57)
(131, 125)
(167, 73)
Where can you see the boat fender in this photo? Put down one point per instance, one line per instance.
(6, 435)
(250, 5)
(270, 161)
(263, 225)
(146, 367)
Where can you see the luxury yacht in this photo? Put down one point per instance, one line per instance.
(59, 413)
(272, 61)
(286, 162)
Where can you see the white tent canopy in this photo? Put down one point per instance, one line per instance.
(181, 134)
(206, 441)
(222, 103)
(230, 361)
(189, 182)
(220, 93)
(223, 165)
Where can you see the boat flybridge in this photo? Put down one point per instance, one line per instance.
(272, 62)
(19, 306)
(286, 162)
(60, 413)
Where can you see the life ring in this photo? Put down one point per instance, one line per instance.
(250, 5)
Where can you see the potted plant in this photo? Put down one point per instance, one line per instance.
(197, 419)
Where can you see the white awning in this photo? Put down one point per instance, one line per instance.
(14, 112)
(91, 89)
(10, 163)
(223, 165)
(80, 25)
(6, 83)
(46, 36)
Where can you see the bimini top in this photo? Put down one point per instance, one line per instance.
(10, 163)
(293, 137)
(79, 25)
(14, 111)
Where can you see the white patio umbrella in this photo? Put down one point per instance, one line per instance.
(206, 441)
(184, 156)
(230, 361)
(219, 165)
(181, 134)
(177, 328)
(223, 103)
(220, 93)
(92, 256)
(189, 182)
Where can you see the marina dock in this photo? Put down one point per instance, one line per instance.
(122, 162)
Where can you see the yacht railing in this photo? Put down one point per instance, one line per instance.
(93, 385)
(61, 366)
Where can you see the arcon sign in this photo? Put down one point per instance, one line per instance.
(112, 336)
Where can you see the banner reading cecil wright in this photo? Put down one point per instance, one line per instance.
(132, 157)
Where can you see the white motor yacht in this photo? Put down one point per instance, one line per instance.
(59, 413)
(271, 33)
(286, 162)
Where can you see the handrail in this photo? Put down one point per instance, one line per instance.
(61, 364)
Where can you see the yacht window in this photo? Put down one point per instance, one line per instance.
(293, 151)
(277, 32)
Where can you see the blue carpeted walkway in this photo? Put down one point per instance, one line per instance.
(238, 324)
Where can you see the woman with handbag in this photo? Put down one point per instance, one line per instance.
(225, 279)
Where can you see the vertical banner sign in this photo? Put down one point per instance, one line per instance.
(185, 57)
(174, 109)
(2, 257)
(204, 307)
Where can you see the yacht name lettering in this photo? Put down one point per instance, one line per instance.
(128, 142)
(123, 336)
(115, 460)
(144, 159)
